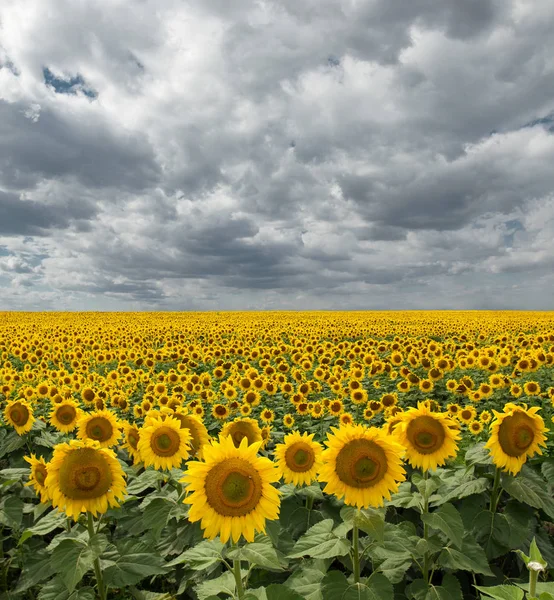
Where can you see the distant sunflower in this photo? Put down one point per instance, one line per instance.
(475, 427)
(230, 492)
(131, 435)
(267, 415)
(198, 433)
(429, 437)
(515, 435)
(239, 429)
(101, 426)
(64, 416)
(83, 477)
(163, 444)
(220, 412)
(362, 465)
(19, 414)
(288, 421)
(298, 458)
(346, 419)
(37, 478)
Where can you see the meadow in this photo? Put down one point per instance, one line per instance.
(277, 456)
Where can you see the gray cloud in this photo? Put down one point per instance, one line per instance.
(317, 154)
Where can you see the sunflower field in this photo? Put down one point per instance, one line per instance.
(277, 456)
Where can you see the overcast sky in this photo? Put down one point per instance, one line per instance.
(293, 154)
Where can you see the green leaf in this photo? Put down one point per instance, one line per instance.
(370, 520)
(492, 530)
(529, 488)
(448, 520)
(127, 565)
(72, 559)
(52, 520)
(278, 591)
(547, 469)
(224, 584)
(156, 514)
(449, 589)
(307, 582)
(320, 542)
(478, 455)
(56, 590)
(377, 587)
(11, 512)
(470, 557)
(145, 480)
(33, 573)
(467, 488)
(12, 443)
(202, 556)
(502, 592)
(261, 555)
(406, 498)
(542, 587)
(535, 555)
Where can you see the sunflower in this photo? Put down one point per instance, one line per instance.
(515, 435)
(245, 410)
(288, 421)
(532, 388)
(467, 414)
(163, 444)
(64, 416)
(429, 437)
(267, 415)
(198, 433)
(131, 435)
(516, 390)
(39, 471)
(83, 477)
(485, 417)
(346, 419)
(101, 426)
(475, 427)
(220, 412)
(230, 492)
(242, 428)
(363, 465)
(298, 458)
(19, 414)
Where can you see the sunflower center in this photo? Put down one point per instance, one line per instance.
(165, 441)
(516, 433)
(66, 414)
(233, 487)
(40, 474)
(426, 434)
(19, 414)
(100, 429)
(299, 457)
(361, 463)
(85, 474)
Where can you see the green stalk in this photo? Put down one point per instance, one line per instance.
(356, 551)
(425, 531)
(238, 579)
(495, 494)
(97, 571)
(533, 578)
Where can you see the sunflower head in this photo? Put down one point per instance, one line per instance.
(131, 436)
(19, 414)
(163, 444)
(101, 426)
(240, 429)
(198, 433)
(37, 478)
(429, 437)
(64, 416)
(515, 435)
(84, 477)
(230, 492)
(362, 465)
(298, 458)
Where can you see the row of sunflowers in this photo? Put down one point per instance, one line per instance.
(369, 455)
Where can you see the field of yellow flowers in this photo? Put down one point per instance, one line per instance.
(277, 456)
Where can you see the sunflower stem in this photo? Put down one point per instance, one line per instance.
(97, 571)
(495, 494)
(425, 530)
(238, 579)
(356, 550)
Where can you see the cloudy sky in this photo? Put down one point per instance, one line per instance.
(285, 154)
